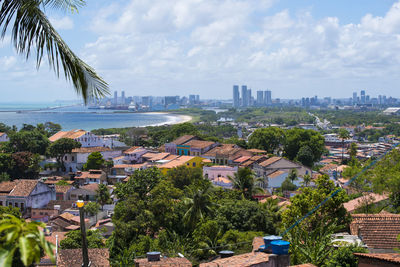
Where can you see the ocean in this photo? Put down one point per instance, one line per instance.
(78, 117)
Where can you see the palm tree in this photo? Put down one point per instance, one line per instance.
(245, 181)
(199, 205)
(22, 241)
(306, 180)
(32, 30)
(343, 135)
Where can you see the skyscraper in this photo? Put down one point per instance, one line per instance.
(115, 98)
(268, 97)
(236, 96)
(123, 97)
(244, 96)
(354, 97)
(260, 98)
(192, 99)
(362, 97)
(249, 98)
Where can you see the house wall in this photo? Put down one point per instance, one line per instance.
(86, 194)
(41, 196)
(4, 138)
(215, 171)
(90, 140)
(170, 148)
(183, 150)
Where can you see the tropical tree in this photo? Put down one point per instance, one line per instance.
(73, 239)
(103, 195)
(61, 147)
(198, 206)
(31, 29)
(268, 139)
(21, 242)
(343, 135)
(306, 180)
(245, 181)
(95, 161)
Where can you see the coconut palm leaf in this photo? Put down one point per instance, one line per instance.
(31, 29)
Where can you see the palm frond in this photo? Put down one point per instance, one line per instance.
(32, 28)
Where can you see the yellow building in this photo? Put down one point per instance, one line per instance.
(188, 161)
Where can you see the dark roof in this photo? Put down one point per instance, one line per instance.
(73, 257)
(377, 231)
(183, 139)
(390, 257)
(23, 188)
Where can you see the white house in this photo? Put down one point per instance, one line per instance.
(25, 194)
(87, 139)
(79, 156)
(218, 175)
(4, 137)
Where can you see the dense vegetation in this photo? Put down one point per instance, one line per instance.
(351, 117)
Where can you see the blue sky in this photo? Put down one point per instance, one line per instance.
(180, 47)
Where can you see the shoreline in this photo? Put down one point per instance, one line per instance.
(173, 118)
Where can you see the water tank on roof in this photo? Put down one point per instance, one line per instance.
(280, 247)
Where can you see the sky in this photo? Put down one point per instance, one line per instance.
(181, 47)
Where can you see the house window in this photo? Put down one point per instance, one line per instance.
(16, 204)
(72, 158)
(73, 196)
(41, 213)
(22, 206)
(1, 203)
(194, 164)
(34, 212)
(65, 158)
(10, 204)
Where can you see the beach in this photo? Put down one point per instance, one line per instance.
(171, 118)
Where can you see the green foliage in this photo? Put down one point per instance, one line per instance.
(344, 256)
(91, 208)
(10, 210)
(21, 242)
(4, 177)
(25, 165)
(103, 195)
(305, 156)
(297, 138)
(183, 176)
(62, 183)
(52, 128)
(351, 117)
(61, 147)
(32, 141)
(288, 185)
(198, 206)
(73, 239)
(245, 182)
(268, 139)
(95, 161)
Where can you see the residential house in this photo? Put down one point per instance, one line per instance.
(86, 192)
(378, 231)
(4, 137)
(26, 194)
(163, 262)
(172, 147)
(219, 175)
(154, 157)
(87, 139)
(378, 259)
(99, 257)
(66, 222)
(134, 155)
(268, 166)
(44, 214)
(91, 177)
(367, 199)
(63, 191)
(225, 154)
(188, 161)
(122, 171)
(197, 147)
(79, 156)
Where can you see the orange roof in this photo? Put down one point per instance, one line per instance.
(6, 187)
(276, 174)
(91, 187)
(23, 188)
(131, 150)
(176, 162)
(183, 139)
(155, 156)
(89, 175)
(242, 159)
(199, 144)
(133, 166)
(369, 198)
(1, 134)
(62, 188)
(254, 150)
(269, 161)
(73, 134)
(390, 257)
(242, 260)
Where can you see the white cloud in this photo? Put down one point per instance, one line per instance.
(64, 23)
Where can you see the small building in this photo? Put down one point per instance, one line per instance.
(63, 191)
(172, 147)
(86, 193)
(392, 111)
(87, 139)
(188, 161)
(91, 177)
(26, 194)
(4, 137)
(367, 199)
(134, 155)
(268, 166)
(122, 171)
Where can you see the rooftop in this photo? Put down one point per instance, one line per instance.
(242, 260)
(183, 139)
(368, 198)
(199, 144)
(69, 257)
(389, 257)
(269, 161)
(164, 262)
(23, 188)
(67, 134)
(90, 149)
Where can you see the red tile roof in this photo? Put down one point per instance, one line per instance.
(67, 134)
(131, 150)
(73, 257)
(390, 257)
(369, 198)
(270, 161)
(378, 231)
(6, 187)
(23, 188)
(183, 139)
(62, 188)
(199, 144)
(91, 187)
(90, 149)
(243, 260)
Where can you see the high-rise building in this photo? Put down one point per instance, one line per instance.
(197, 99)
(268, 97)
(115, 98)
(260, 98)
(362, 97)
(244, 96)
(236, 96)
(249, 98)
(123, 97)
(192, 99)
(354, 97)
(147, 101)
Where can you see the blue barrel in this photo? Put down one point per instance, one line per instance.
(280, 247)
(268, 239)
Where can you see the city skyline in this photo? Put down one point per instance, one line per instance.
(189, 47)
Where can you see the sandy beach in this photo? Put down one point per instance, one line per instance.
(172, 118)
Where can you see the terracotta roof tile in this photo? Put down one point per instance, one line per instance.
(254, 150)
(131, 149)
(390, 257)
(378, 231)
(183, 139)
(6, 187)
(62, 188)
(243, 260)
(164, 262)
(176, 162)
(369, 198)
(269, 161)
(91, 187)
(155, 156)
(67, 134)
(23, 188)
(199, 144)
(72, 257)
